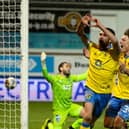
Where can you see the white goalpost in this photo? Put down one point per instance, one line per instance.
(24, 63)
(14, 63)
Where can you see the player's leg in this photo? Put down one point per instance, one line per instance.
(96, 105)
(108, 122)
(50, 125)
(47, 124)
(76, 111)
(111, 112)
(122, 117)
(59, 118)
(88, 108)
(87, 116)
(99, 106)
(119, 123)
(76, 124)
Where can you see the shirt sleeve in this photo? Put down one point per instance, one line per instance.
(79, 77)
(48, 76)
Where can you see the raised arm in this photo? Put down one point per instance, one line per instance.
(80, 29)
(86, 53)
(112, 37)
(45, 73)
(79, 77)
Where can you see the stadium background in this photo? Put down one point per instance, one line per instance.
(52, 29)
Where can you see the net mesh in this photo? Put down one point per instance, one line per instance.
(10, 13)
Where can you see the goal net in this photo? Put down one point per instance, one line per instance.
(14, 63)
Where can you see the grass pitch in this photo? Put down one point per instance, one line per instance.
(39, 111)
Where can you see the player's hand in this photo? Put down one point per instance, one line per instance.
(95, 22)
(43, 57)
(122, 67)
(86, 19)
(83, 23)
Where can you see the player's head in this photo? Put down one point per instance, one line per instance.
(64, 68)
(104, 40)
(124, 42)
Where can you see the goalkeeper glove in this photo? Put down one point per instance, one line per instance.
(43, 59)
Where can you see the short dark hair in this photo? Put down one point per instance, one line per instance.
(111, 30)
(126, 32)
(61, 65)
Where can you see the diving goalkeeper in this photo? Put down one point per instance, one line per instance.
(62, 93)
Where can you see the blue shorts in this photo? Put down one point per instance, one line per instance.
(99, 101)
(117, 106)
(124, 112)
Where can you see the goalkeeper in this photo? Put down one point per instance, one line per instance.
(62, 94)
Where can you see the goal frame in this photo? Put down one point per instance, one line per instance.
(24, 63)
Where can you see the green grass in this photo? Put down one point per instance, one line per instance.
(39, 111)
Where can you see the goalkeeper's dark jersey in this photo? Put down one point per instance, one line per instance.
(62, 88)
